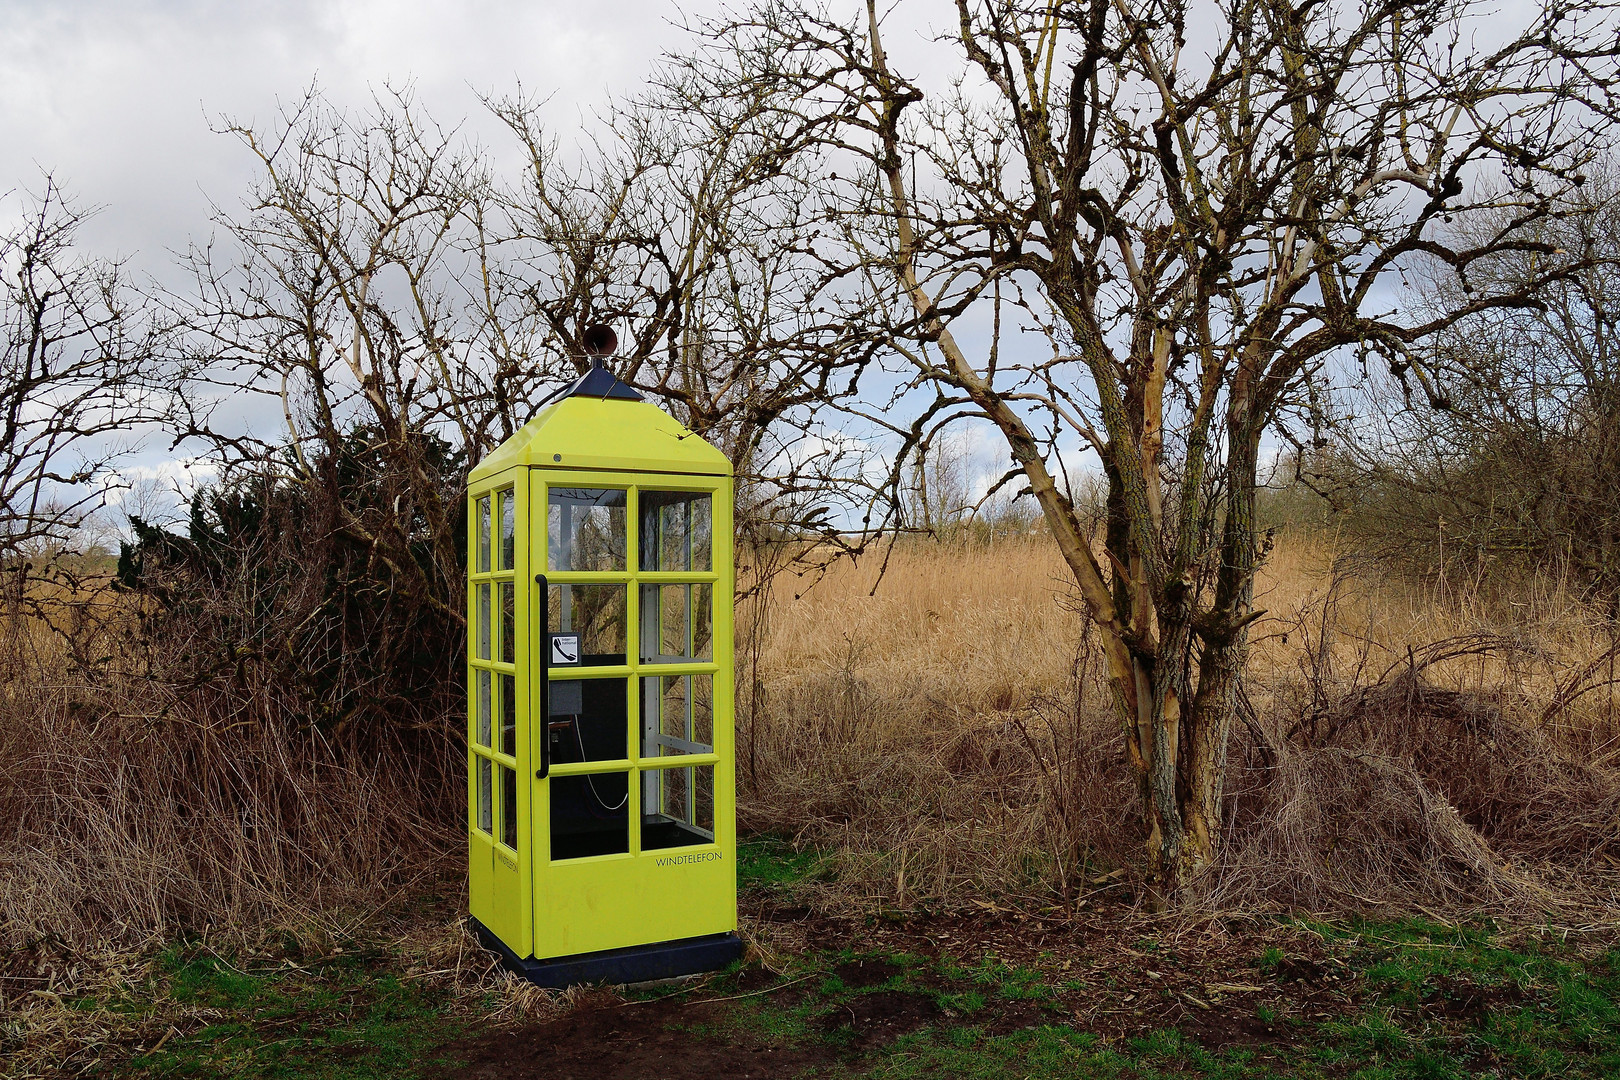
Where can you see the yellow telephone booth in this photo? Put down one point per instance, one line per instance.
(601, 821)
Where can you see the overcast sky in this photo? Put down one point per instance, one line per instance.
(116, 97)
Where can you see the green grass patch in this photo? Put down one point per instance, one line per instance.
(1433, 1002)
(348, 1018)
(993, 977)
(765, 861)
(1456, 1001)
(1407, 1000)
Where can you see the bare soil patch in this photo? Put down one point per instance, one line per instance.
(866, 972)
(880, 1018)
(1122, 975)
(608, 1037)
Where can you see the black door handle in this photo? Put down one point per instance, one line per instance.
(545, 679)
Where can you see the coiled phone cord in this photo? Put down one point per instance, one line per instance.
(579, 740)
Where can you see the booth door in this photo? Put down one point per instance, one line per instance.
(633, 815)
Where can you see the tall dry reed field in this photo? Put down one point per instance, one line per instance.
(141, 796)
(940, 732)
(944, 731)
(947, 733)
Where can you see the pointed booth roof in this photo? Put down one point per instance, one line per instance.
(600, 423)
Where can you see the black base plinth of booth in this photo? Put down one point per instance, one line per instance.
(638, 963)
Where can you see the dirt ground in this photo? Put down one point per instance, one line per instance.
(992, 992)
(1098, 975)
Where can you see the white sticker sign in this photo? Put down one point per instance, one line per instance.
(565, 648)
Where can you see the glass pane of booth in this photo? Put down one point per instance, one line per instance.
(677, 623)
(590, 815)
(585, 529)
(676, 530)
(597, 614)
(483, 621)
(677, 715)
(483, 535)
(508, 696)
(675, 617)
(482, 707)
(509, 818)
(508, 621)
(588, 720)
(508, 505)
(677, 807)
(486, 808)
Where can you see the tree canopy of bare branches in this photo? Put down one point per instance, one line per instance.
(1200, 214)
(76, 367)
(383, 310)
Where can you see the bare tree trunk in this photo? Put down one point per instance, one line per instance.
(1220, 669)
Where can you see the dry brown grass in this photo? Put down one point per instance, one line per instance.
(144, 801)
(947, 737)
(1429, 746)
(141, 801)
(939, 733)
(1338, 618)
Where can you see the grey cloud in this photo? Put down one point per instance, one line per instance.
(117, 98)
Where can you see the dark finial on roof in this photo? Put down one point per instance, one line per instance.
(600, 342)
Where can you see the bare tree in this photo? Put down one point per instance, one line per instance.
(400, 311)
(75, 375)
(337, 373)
(1203, 211)
(336, 304)
(685, 221)
(382, 276)
(938, 496)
